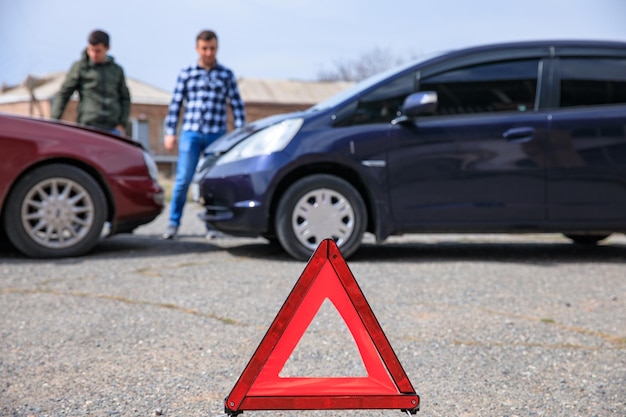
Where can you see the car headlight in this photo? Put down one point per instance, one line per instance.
(271, 139)
(153, 170)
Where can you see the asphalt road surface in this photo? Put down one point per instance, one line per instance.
(484, 325)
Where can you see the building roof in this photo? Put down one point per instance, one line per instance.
(252, 90)
(46, 86)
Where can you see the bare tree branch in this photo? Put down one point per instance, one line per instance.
(366, 65)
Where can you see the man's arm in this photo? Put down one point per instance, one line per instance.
(124, 95)
(236, 103)
(173, 111)
(71, 84)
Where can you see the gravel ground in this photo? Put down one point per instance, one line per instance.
(483, 325)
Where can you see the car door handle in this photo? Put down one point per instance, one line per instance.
(519, 134)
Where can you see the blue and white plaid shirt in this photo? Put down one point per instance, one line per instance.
(204, 93)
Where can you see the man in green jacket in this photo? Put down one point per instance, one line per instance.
(101, 85)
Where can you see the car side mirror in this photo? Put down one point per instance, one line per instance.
(417, 104)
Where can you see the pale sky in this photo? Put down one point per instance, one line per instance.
(280, 39)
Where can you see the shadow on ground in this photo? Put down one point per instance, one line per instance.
(531, 252)
(540, 252)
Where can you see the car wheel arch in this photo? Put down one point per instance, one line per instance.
(338, 170)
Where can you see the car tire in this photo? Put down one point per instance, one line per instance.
(586, 239)
(318, 207)
(55, 211)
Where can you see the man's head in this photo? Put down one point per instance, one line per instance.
(206, 46)
(98, 46)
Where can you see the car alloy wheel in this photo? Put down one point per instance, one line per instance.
(56, 210)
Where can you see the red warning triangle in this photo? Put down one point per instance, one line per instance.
(386, 386)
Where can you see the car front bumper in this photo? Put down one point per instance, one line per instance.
(234, 204)
(138, 200)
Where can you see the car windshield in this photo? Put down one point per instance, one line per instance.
(364, 85)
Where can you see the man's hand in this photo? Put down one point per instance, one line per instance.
(169, 141)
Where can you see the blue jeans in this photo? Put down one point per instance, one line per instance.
(190, 147)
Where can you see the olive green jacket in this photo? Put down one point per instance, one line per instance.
(104, 96)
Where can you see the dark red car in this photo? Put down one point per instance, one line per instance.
(63, 186)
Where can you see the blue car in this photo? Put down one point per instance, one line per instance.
(524, 137)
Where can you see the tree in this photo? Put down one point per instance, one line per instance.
(366, 65)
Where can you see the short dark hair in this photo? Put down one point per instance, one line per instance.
(98, 37)
(206, 35)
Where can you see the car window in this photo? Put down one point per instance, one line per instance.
(592, 81)
(380, 105)
(356, 90)
(494, 87)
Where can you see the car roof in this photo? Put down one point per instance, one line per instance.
(553, 47)
(552, 42)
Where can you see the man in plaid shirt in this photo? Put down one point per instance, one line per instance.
(205, 88)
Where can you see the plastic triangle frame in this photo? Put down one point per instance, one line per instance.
(386, 385)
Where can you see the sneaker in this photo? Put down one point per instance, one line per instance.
(213, 234)
(170, 232)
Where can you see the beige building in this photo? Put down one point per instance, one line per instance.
(262, 98)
